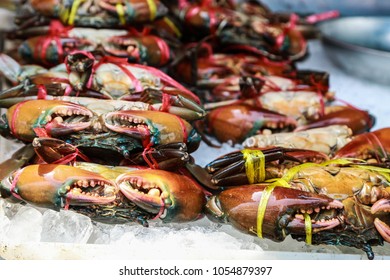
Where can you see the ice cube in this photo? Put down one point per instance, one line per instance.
(65, 227)
(25, 226)
(4, 221)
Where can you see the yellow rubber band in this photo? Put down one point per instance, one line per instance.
(261, 209)
(254, 165)
(152, 9)
(308, 228)
(173, 26)
(280, 182)
(64, 15)
(342, 161)
(121, 13)
(294, 170)
(383, 171)
(73, 11)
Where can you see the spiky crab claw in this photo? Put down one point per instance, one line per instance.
(50, 117)
(59, 186)
(171, 197)
(152, 127)
(236, 122)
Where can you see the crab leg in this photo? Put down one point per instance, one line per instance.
(255, 165)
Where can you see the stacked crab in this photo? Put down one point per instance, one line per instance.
(109, 130)
(102, 112)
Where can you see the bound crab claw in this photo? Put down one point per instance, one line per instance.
(172, 101)
(55, 118)
(170, 196)
(58, 186)
(153, 127)
(88, 189)
(239, 207)
(357, 120)
(237, 122)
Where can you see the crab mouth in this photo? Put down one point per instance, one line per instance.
(123, 123)
(89, 192)
(64, 120)
(150, 196)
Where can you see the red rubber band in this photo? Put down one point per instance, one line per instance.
(13, 119)
(13, 185)
(161, 210)
(42, 92)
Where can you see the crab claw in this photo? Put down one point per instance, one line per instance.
(165, 157)
(48, 117)
(149, 49)
(15, 72)
(153, 127)
(52, 150)
(58, 186)
(10, 68)
(184, 106)
(172, 197)
(18, 159)
(239, 206)
(237, 122)
(358, 121)
(369, 145)
(50, 50)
